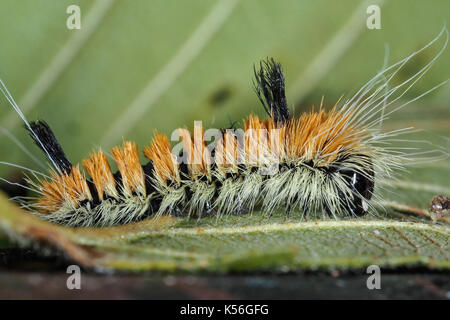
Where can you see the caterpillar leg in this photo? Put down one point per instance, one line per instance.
(241, 209)
(208, 211)
(327, 209)
(288, 210)
(305, 209)
(177, 212)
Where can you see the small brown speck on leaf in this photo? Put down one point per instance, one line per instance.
(440, 207)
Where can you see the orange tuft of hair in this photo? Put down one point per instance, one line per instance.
(129, 165)
(71, 188)
(160, 153)
(227, 151)
(199, 158)
(263, 139)
(97, 166)
(321, 135)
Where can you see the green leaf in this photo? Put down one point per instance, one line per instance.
(231, 243)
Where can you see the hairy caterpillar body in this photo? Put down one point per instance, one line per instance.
(324, 160)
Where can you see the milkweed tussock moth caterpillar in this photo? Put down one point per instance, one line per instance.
(327, 161)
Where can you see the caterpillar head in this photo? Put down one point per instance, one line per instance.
(361, 187)
(358, 176)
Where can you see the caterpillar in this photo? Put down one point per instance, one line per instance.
(326, 161)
